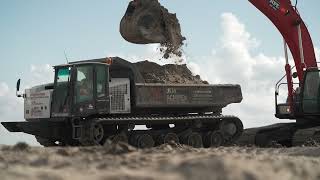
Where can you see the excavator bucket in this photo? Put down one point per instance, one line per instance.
(146, 22)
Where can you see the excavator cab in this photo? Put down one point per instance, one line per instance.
(311, 92)
(306, 101)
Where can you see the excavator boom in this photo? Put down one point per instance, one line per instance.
(286, 18)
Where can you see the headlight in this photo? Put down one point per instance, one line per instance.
(284, 109)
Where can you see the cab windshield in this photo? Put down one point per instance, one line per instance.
(63, 75)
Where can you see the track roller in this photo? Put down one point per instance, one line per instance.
(167, 138)
(142, 141)
(122, 137)
(193, 139)
(98, 133)
(171, 137)
(231, 129)
(92, 133)
(213, 139)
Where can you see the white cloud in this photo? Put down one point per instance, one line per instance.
(11, 107)
(235, 34)
(41, 74)
(233, 62)
(4, 89)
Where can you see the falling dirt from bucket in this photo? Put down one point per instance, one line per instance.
(147, 22)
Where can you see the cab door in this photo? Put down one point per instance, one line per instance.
(102, 89)
(311, 92)
(84, 103)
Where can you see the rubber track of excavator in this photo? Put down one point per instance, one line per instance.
(262, 136)
(305, 136)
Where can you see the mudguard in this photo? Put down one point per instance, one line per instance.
(45, 129)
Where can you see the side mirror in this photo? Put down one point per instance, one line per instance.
(18, 85)
(18, 88)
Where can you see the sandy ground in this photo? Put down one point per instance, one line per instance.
(164, 162)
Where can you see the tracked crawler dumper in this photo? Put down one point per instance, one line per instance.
(105, 99)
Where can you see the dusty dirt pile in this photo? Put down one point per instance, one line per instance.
(146, 22)
(163, 162)
(167, 74)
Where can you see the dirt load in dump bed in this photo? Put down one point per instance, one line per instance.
(167, 74)
(146, 22)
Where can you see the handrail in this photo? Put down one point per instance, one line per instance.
(278, 87)
(278, 82)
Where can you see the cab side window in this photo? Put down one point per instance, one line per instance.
(101, 78)
(311, 101)
(84, 84)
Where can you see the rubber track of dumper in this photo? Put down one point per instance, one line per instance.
(201, 118)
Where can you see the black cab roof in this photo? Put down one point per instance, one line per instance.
(91, 61)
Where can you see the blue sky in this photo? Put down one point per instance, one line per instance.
(34, 33)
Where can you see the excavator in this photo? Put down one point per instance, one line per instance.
(146, 21)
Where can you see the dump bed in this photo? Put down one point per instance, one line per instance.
(194, 95)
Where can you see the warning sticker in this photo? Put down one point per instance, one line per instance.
(275, 4)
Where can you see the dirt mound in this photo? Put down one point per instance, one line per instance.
(146, 21)
(167, 74)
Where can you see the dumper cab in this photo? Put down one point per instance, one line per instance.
(81, 90)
